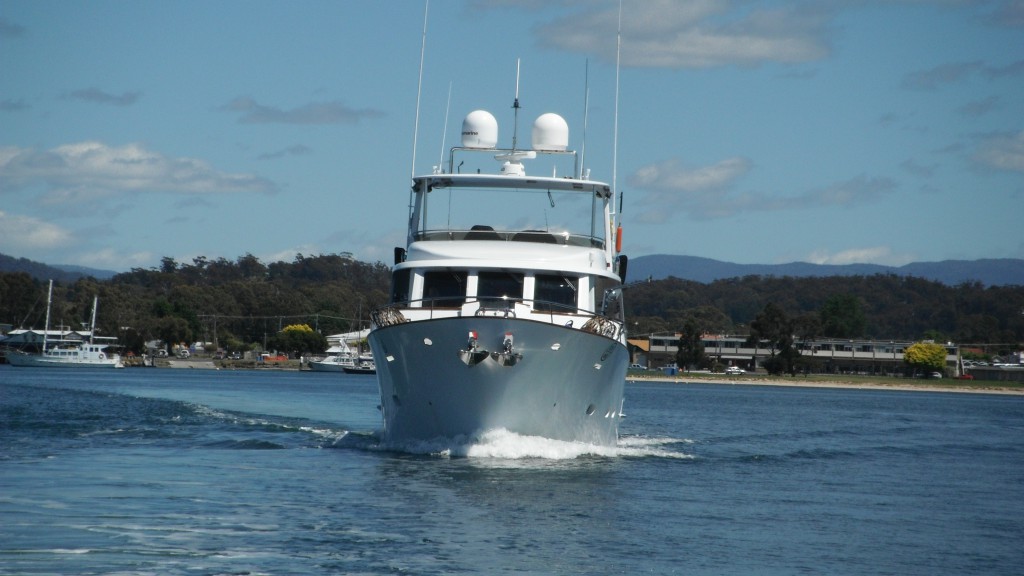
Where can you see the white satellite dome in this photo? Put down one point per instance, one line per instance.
(550, 132)
(479, 130)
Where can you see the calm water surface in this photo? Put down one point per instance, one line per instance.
(148, 471)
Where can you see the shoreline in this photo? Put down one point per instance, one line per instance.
(989, 387)
(810, 383)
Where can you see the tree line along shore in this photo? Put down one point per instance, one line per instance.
(244, 304)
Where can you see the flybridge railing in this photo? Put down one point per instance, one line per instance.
(537, 236)
(524, 154)
(449, 307)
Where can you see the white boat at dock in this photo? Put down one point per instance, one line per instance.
(60, 350)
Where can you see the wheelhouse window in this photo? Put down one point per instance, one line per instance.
(611, 300)
(400, 286)
(499, 286)
(446, 288)
(555, 293)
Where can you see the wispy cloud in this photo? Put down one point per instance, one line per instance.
(13, 105)
(914, 167)
(1003, 151)
(10, 29)
(296, 150)
(1010, 14)
(980, 107)
(870, 255)
(334, 112)
(697, 34)
(710, 192)
(82, 172)
(97, 96)
(19, 234)
(109, 258)
(701, 191)
(954, 72)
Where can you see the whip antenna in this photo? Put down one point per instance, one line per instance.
(419, 90)
(515, 107)
(615, 139)
(444, 131)
(586, 113)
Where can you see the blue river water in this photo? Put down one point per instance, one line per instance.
(158, 471)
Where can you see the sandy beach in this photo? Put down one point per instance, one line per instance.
(976, 387)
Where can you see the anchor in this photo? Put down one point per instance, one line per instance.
(472, 355)
(508, 356)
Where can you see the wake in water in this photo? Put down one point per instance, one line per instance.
(502, 444)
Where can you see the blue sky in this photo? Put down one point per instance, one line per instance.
(749, 131)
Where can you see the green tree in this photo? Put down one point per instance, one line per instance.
(925, 356)
(774, 327)
(842, 317)
(172, 329)
(298, 339)
(690, 348)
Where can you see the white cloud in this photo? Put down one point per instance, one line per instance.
(83, 172)
(24, 234)
(1002, 151)
(110, 259)
(703, 33)
(671, 175)
(873, 255)
(700, 192)
(709, 191)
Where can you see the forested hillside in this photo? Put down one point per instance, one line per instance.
(890, 306)
(237, 303)
(245, 302)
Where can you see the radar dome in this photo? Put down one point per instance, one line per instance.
(550, 132)
(479, 130)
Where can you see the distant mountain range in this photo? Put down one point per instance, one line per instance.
(58, 272)
(989, 272)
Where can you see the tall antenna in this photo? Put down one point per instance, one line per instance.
(615, 143)
(444, 131)
(419, 91)
(586, 114)
(515, 107)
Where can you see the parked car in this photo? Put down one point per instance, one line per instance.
(734, 370)
(637, 367)
(935, 375)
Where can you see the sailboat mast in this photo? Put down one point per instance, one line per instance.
(49, 300)
(92, 325)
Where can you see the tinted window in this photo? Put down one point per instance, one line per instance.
(493, 286)
(400, 286)
(555, 293)
(444, 288)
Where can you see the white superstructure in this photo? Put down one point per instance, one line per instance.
(506, 308)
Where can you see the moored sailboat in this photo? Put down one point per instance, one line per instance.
(68, 353)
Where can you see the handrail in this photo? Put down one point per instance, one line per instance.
(596, 323)
(537, 236)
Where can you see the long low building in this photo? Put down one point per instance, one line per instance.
(831, 356)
